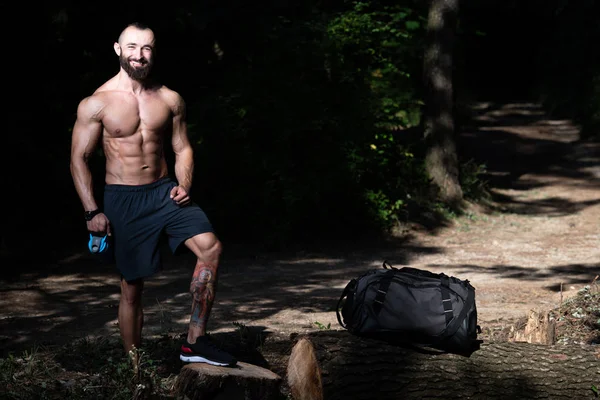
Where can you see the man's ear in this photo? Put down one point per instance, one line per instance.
(117, 48)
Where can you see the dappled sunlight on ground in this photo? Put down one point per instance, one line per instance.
(536, 243)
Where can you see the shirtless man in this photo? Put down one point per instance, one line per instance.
(133, 116)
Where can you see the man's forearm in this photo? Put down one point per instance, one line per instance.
(82, 178)
(184, 168)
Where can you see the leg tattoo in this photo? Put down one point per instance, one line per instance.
(203, 288)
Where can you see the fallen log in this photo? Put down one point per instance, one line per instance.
(349, 367)
(200, 381)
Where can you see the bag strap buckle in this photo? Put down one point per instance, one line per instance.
(384, 285)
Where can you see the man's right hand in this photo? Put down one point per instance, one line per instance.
(99, 223)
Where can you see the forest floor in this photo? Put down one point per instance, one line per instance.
(534, 244)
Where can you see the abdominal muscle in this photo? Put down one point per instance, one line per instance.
(137, 159)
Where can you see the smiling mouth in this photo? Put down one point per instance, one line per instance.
(137, 63)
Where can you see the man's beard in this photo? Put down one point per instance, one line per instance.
(136, 73)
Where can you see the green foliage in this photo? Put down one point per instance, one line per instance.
(312, 131)
(381, 46)
(471, 182)
(322, 326)
(392, 177)
(386, 209)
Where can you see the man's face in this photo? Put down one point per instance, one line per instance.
(136, 51)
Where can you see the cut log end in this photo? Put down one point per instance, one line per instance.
(200, 381)
(303, 372)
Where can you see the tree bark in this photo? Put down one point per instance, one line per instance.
(441, 158)
(358, 368)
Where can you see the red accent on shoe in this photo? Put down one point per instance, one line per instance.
(186, 349)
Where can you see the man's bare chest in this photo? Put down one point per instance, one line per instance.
(126, 117)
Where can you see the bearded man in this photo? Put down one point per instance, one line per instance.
(133, 116)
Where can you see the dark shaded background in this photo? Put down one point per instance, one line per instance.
(272, 128)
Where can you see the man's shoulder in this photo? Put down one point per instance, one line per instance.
(95, 103)
(171, 97)
(168, 92)
(91, 104)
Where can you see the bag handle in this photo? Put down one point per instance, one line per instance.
(347, 292)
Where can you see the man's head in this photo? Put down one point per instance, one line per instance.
(135, 49)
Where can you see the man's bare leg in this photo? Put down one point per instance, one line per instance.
(204, 282)
(199, 348)
(131, 316)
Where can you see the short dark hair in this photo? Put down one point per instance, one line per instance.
(136, 24)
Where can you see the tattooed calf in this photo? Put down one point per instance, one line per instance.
(203, 293)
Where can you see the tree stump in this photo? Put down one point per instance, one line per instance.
(200, 381)
(539, 329)
(357, 368)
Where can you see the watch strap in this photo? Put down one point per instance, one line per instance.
(89, 215)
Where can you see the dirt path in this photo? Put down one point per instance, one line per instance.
(541, 234)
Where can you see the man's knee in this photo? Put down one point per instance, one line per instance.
(131, 292)
(205, 246)
(216, 248)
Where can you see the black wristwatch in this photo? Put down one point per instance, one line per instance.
(89, 215)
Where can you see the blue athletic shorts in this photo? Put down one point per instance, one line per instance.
(139, 216)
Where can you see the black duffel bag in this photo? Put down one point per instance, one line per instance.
(413, 307)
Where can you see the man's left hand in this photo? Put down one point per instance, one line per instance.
(180, 195)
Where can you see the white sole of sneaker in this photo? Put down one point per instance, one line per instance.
(198, 359)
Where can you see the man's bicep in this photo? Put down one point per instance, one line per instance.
(180, 135)
(86, 131)
(180, 139)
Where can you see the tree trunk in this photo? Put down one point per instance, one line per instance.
(441, 158)
(356, 368)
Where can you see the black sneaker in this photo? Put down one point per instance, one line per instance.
(205, 351)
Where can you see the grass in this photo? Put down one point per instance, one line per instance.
(92, 369)
(578, 318)
(97, 368)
